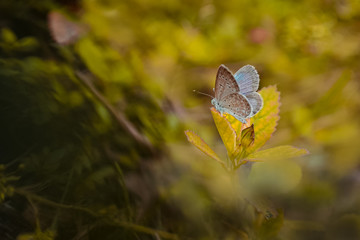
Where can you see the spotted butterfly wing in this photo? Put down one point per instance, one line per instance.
(225, 83)
(236, 105)
(227, 96)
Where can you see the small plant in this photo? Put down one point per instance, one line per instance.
(243, 141)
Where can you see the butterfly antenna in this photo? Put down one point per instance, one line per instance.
(202, 93)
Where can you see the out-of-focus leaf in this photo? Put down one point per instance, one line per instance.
(227, 133)
(38, 235)
(263, 205)
(27, 43)
(346, 226)
(26, 236)
(271, 227)
(93, 57)
(266, 120)
(303, 120)
(201, 145)
(277, 176)
(8, 36)
(281, 152)
(330, 100)
(99, 175)
(338, 134)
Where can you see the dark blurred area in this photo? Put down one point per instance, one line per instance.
(95, 97)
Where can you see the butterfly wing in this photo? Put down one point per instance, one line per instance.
(237, 105)
(225, 83)
(63, 30)
(248, 79)
(255, 101)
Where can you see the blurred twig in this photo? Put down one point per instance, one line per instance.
(114, 222)
(119, 117)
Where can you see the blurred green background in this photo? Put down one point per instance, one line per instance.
(96, 95)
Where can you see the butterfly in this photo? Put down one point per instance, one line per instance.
(63, 30)
(236, 94)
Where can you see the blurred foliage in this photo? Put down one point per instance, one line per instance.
(95, 100)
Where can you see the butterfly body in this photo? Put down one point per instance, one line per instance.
(236, 94)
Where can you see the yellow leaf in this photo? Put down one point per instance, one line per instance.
(235, 124)
(227, 133)
(266, 120)
(281, 152)
(202, 146)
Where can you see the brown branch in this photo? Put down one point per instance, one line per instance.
(119, 117)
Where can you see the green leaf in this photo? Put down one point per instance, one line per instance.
(266, 120)
(7, 35)
(330, 101)
(202, 146)
(281, 152)
(227, 133)
(93, 56)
